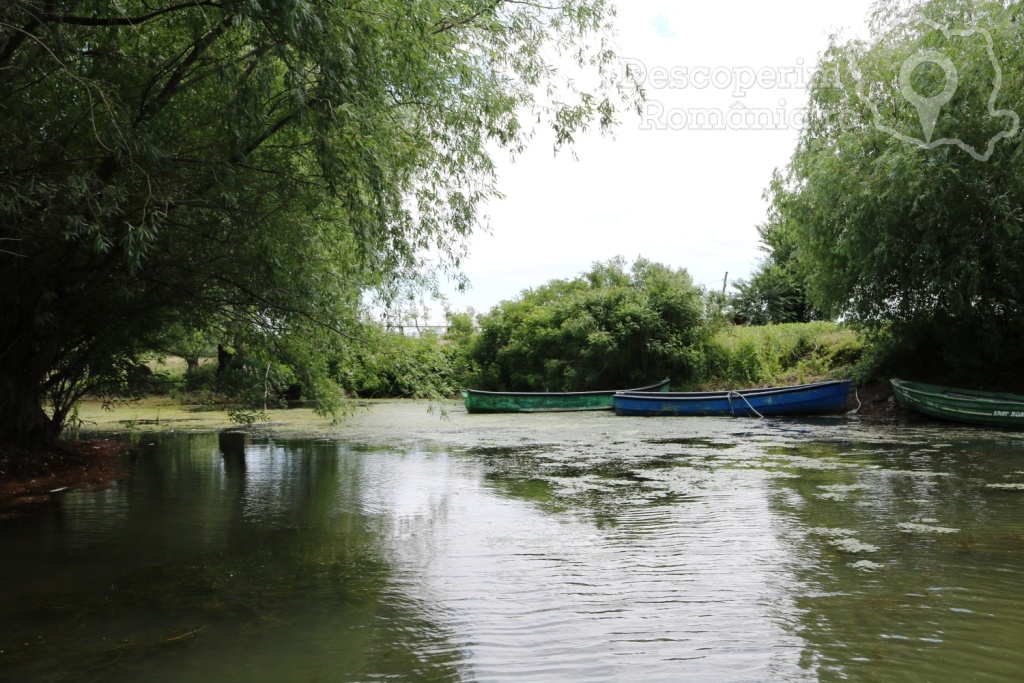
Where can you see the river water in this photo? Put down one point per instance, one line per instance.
(413, 546)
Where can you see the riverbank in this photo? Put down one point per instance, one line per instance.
(876, 401)
(82, 462)
(166, 414)
(30, 479)
(163, 414)
(87, 463)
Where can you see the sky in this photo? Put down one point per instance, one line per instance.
(659, 186)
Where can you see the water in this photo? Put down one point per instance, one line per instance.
(531, 548)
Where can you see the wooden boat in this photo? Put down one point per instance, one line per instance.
(803, 399)
(537, 402)
(961, 405)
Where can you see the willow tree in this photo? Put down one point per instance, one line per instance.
(904, 197)
(254, 165)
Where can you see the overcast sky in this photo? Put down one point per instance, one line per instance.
(661, 187)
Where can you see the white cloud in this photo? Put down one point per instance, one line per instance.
(661, 26)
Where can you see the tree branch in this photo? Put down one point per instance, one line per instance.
(174, 82)
(121, 21)
(455, 22)
(12, 43)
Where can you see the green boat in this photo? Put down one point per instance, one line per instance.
(542, 402)
(974, 407)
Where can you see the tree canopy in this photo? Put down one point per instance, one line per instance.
(252, 168)
(777, 290)
(904, 196)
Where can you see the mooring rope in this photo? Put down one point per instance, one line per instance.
(733, 409)
(859, 404)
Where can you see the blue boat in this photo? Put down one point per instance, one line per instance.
(804, 399)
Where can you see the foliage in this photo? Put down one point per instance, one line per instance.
(386, 364)
(773, 294)
(457, 344)
(190, 344)
(777, 291)
(392, 365)
(252, 169)
(607, 328)
(778, 354)
(921, 239)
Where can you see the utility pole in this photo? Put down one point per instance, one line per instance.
(725, 282)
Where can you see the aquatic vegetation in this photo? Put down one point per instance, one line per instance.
(917, 527)
(852, 545)
(842, 488)
(838, 491)
(586, 484)
(867, 565)
(782, 475)
(843, 539)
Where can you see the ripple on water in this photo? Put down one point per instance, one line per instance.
(922, 528)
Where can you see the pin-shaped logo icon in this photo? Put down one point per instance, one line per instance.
(928, 107)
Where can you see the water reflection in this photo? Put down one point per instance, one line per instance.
(658, 551)
(234, 561)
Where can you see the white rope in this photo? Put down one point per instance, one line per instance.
(859, 404)
(729, 395)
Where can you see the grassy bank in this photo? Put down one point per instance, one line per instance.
(792, 353)
(163, 413)
(734, 357)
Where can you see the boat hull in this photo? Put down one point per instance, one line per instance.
(544, 402)
(960, 405)
(805, 399)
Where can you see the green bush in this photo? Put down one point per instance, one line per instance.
(392, 365)
(607, 328)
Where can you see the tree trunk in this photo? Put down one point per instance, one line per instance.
(23, 422)
(223, 359)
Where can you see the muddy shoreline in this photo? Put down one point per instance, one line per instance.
(78, 464)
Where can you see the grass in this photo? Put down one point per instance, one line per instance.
(162, 413)
(791, 353)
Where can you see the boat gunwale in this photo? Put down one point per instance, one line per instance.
(817, 398)
(567, 394)
(705, 395)
(953, 394)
